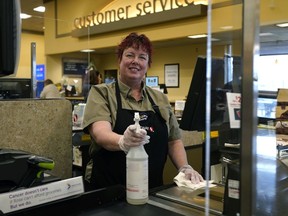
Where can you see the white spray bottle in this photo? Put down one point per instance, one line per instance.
(137, 172)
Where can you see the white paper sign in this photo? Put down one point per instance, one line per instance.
(233, 189)
(21, 199)
(180, 105)
(172, 75)
(234, 109)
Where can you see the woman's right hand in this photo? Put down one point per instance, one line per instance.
(131, 138)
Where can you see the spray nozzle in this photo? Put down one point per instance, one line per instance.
(137, 119)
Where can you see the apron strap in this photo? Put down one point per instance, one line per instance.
(155, 107)
(118, 96)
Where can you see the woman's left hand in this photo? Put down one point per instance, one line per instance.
(191, 174)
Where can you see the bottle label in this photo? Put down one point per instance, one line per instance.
(137, 179)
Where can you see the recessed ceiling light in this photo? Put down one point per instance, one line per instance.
(202, 36)
(24, 16)
(40, 9)
(264, 34)
(226, 27)
(87, 50)
(197, 36)
(282, 25)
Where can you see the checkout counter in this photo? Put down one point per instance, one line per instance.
(271, 194)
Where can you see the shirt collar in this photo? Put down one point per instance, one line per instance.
(126, 90)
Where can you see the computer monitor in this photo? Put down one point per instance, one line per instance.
(152, 81)
(194, 114)
(109, 80)
(15, 88)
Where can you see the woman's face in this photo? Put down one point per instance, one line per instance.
(133, 65)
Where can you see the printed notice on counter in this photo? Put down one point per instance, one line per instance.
(21, 199)
(234, 109)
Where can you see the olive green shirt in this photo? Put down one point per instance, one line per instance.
(102, 106)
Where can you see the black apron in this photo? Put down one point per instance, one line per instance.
(109, 167)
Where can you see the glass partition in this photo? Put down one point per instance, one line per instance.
(238, 92)
(254, 50)
(223, 100)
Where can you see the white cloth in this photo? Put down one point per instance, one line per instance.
(181, 181)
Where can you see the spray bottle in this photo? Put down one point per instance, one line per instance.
(137, 172)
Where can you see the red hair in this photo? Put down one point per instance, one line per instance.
(136, 41)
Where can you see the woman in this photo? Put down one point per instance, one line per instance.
(109, 117)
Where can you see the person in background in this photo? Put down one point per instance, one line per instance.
(109, 117)
(92, 77)
(50, 90)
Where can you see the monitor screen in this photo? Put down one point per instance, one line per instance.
(109, 80)
(152, 81)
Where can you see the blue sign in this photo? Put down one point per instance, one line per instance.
(40, 72)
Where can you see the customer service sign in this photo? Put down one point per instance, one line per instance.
(135, 9)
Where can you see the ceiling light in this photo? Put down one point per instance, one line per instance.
(40, 9)
(282, 25)
(264, 34)
(197, 36)
(24, 16)
(226, 27)
(87, 50)
(198, 2)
